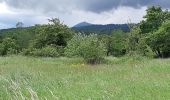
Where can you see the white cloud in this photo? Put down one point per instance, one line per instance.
(4, 9)
(120, 16)
(9, 17)
(72, 12)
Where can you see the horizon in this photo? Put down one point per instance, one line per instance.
(67, 25)
(96, 12)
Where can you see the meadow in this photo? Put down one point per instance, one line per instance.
(30, 78)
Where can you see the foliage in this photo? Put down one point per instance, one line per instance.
(133, 40)
(55, 33)
(106, 39)
(8, 46)
(102, 29)
(136, 43)
(143, 49)
(160, 40)
(156, 34)
(86, 46)
(149, 36)
(48, 51)
(118, 43)
(154, 18)
(115, 43)
(23, 36)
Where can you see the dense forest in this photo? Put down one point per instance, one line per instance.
(150, 38)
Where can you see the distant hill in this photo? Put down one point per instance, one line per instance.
(100, 29)
(82, 24)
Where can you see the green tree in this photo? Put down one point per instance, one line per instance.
(118, 43)
(55, 33)
(19, 25)
(107, 40)
(150, 29)
(115, 43)
(136, 43)
(160, 40)
(133, 40)
(154, 17)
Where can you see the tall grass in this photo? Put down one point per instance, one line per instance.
(134, 78)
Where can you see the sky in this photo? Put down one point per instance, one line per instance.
(71, 12)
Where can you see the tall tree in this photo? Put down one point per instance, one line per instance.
(55, 33)
(19, 25)
(160, 40)
(154, 17)
(151, 26)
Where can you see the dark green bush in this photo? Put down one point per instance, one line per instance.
(159, 41)
(86, 46)
(8, 47)
(55, 33)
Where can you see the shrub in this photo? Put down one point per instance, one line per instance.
(144, 50)
(47, 51)
(2, 49)
(86, 46)
(8, 46)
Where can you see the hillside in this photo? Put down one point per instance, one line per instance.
(83, 24)
(101, 29)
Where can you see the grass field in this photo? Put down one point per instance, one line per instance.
(25, 78)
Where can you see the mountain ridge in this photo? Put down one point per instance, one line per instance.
(83, 24)
(101, 29)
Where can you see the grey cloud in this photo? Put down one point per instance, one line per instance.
(105, 5)
(41, 5)
(96, 6)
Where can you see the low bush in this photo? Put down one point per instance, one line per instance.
(8, 47)
(48, 51)
(86, 46)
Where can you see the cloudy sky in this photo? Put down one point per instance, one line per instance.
(71, 12)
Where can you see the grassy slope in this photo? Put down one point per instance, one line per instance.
(69, 79)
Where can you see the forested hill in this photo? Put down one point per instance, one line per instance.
(102, 29)
(91, 28)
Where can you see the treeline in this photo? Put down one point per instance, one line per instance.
(102, 29)
(150, 37)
